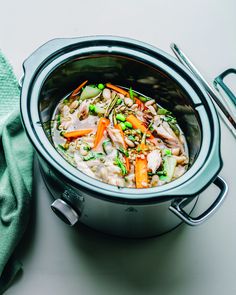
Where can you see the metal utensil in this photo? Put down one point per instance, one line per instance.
(223, 110)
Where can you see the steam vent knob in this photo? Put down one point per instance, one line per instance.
(65, 212)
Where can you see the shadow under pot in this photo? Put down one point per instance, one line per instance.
(54, 70)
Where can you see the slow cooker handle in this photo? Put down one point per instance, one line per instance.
(177, 205)
(220, 81)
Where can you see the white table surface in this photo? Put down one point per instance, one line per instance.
(58, 259)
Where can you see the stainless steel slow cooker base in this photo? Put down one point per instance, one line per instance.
(124, 220)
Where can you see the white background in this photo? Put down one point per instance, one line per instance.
(62, 260)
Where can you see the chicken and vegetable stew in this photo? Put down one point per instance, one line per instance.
(119, 136)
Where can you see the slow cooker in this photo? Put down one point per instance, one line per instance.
(55, 69)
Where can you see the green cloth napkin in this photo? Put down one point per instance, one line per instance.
(16, 161)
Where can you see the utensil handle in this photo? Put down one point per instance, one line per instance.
(220, 81)
(177, 206)
(229, 120)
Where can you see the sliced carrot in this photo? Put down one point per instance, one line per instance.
(117, 89)
(125, 93)
(77, 133)
(127, 164)
(139, 103)
(76, 91)
(102, 125)
(138, 125)
(141, 173)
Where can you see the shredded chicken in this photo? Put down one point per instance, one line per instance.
(170, 139)
(154, 160)
(83, 109)
(179, 171)
(65, 111)
(115, 136)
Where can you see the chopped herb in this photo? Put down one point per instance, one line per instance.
(167, 152)
(87, 148)
(170, 119)
(138, 131)
(162, 172)
(139, 149)
(105, 142)
(162, 111)
(65, 101)
(131, 137)
(159, 173)
(174, 128)
(58, 120)
(105, 145)
(119, 101)
(93, 155)
(135, 93)
(90, 156)
(123, 151)
(65, 153)
(62, 147)
(143, 98)
(163, 177)
(151, 128)
(92, 108)
(120, 164)
(131, 93)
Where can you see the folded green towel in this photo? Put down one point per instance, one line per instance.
(16, 158)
